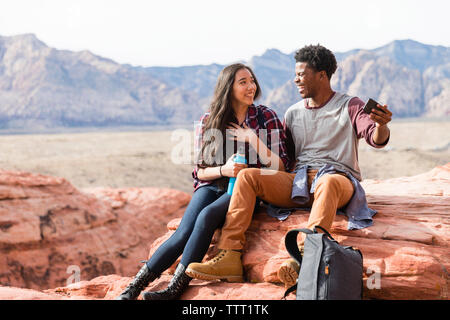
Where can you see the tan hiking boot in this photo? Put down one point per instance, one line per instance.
(288, 272)
(226, 265)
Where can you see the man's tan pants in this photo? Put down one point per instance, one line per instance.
(332, 191)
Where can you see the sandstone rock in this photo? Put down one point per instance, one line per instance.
(12, 293)
(109, 287)
(406, 251)
(52, 234)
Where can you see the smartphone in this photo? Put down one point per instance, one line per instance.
(372, 104)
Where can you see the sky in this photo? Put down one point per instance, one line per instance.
(191, 32)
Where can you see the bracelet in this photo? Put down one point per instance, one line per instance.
(220, 170)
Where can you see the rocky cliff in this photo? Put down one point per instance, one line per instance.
(44, 88)
(406, 251)
(410, 77)
(52, 234)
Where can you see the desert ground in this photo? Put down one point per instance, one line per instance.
(145, 158)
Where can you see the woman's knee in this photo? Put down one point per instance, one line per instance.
(180, 236)
(211, 216)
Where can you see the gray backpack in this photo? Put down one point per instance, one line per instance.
(328, 271)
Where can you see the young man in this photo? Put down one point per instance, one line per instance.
(325, 128)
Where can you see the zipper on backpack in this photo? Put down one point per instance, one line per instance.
(327, 281)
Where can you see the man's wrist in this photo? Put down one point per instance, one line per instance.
(382, 133)
(380, 126)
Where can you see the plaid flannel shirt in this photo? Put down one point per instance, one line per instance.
(271, 123)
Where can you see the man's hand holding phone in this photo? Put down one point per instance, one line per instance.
(378, 113)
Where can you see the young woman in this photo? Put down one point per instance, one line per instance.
(232, 116)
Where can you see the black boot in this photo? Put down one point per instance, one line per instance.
(177, 285)
(140, 281)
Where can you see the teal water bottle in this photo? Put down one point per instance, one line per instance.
(239, 158)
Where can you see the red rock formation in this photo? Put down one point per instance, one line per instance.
(406, 251)
(46, 226)
(109, 287)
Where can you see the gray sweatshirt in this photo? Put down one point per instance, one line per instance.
(329, 134)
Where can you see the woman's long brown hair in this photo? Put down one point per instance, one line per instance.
(221, 114)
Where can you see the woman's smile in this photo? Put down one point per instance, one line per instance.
(244, 88)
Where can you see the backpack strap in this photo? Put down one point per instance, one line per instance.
(290, 242)
(324, 231)
(289, 290)
(309, 269)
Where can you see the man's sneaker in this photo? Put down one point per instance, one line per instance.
(226, 265)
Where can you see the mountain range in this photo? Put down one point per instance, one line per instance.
(43, 87)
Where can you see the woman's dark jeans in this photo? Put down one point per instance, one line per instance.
(204, 214)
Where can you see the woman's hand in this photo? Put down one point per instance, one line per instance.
(231, 168)
(240, 134)
(245, 134)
